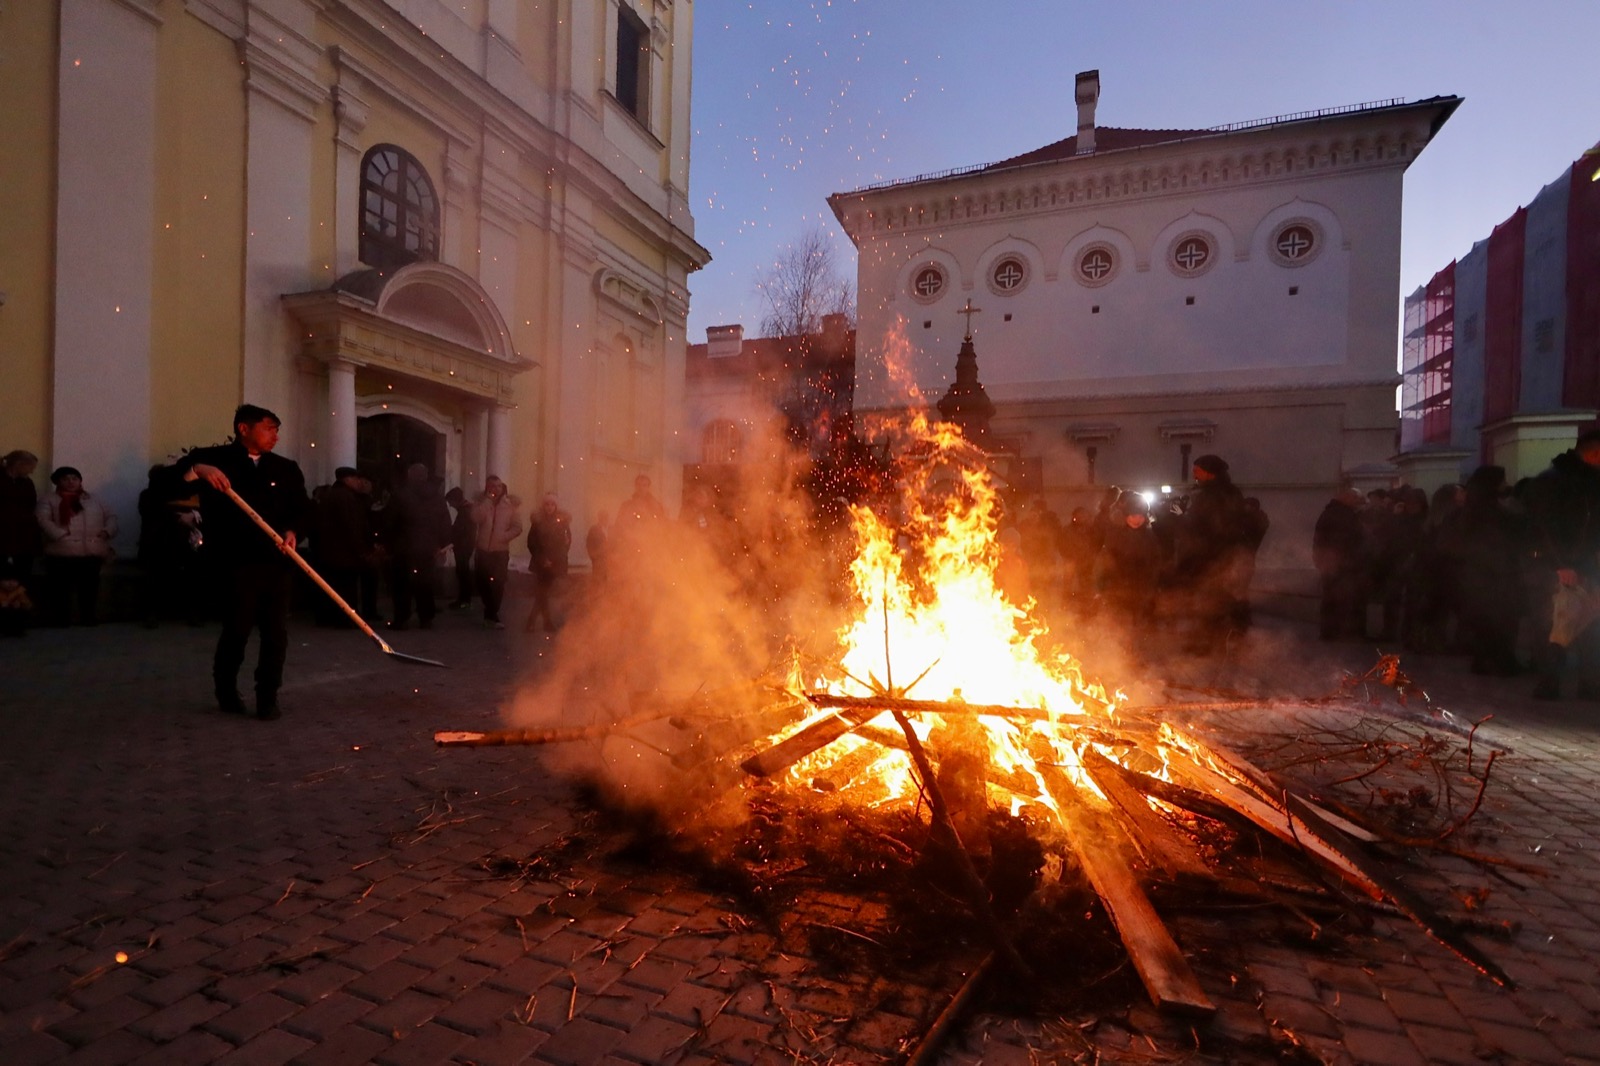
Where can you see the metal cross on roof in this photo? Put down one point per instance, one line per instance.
(969, 311)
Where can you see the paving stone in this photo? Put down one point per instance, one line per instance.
(89, 1026)
(30, 1048)
(319, 1021)
(252, 1017)
(509, 1044)
(386, 981)
(423, 1047)
(350, 1046)
(171, 1022)
(657, 975)
(112, 1049)
(270, 1048)
(405, 1011)
(190, 1049)
(579, 1043)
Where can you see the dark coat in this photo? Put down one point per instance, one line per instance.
(344, 527)
(19, 529)
(1482, 545)
(1210, 529)
(1338, 542)
(1129, 566)
(418, 524)
(273, 485)
(549, 541)
(1564, 516)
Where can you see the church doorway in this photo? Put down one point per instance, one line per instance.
(387, 444)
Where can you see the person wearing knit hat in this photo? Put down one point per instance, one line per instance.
(1206, 543)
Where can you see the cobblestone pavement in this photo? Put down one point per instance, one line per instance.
(186, 887)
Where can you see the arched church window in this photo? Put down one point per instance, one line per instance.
(1008, 275)
(1096, 265)
(1191, 255)
(1295, 243)
(720, 442)
(399, 209)
(928, 283)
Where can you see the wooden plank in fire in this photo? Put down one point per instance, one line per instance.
(819, 734)
(1286, 826)
(1266, 786)
(1100, 844)
(1161, 847)
(999, 710)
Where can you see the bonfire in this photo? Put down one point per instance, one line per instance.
(948, 701)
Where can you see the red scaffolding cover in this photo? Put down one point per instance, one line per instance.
(1502, 319)
(1581, 379)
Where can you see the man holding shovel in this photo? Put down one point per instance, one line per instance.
(253, 572)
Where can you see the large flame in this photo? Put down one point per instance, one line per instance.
(934, 621)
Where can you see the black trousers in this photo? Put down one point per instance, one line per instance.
(255, 596)
(356, 585)
(413, 581)
(491, 568)
(463, 577)
(69, 580)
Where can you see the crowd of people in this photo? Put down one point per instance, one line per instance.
(1143, 562)
(1508, 576)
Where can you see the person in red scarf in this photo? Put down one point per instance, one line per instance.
(77, 530)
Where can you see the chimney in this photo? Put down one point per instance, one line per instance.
(724, 341)
(1087, 94)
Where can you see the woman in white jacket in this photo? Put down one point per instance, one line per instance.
(77, 541)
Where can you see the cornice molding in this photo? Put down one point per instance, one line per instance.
(149, 10)
(281, 64)
(628, 295)
(1244, 160)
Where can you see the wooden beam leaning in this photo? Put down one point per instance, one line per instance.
(819, 734)
(1246, 772)
(1408, 903)
(1161, 847)
(1287, 827)
(1100, 843)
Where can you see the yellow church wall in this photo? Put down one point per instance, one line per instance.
(388, 125)
(196, 277)
(27, 226)
(541, 29)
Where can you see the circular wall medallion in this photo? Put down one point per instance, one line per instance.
(1008, 275)
(1096, 264)
(1191, 254)
(1295, 242)
(928, 283)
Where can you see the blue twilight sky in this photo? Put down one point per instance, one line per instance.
(797, 99)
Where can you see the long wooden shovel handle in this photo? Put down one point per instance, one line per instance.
(311, 573)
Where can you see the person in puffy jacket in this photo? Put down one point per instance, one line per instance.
(78, 530)
(498, 523)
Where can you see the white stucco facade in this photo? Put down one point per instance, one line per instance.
(1162, 295)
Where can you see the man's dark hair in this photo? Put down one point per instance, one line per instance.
(1589, 439)
(248, 414)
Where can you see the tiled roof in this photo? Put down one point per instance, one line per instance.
(1106, 139)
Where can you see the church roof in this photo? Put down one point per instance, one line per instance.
(1106, 139)
(1116, 139)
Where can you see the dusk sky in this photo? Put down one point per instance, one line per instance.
(797, 99)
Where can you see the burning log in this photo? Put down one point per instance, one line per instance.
(1099, 844)
(998, 710)
(819, 734)
(1161, 847)
(976, 890)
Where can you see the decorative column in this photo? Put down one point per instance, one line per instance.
(341, 415)
(499, 442)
